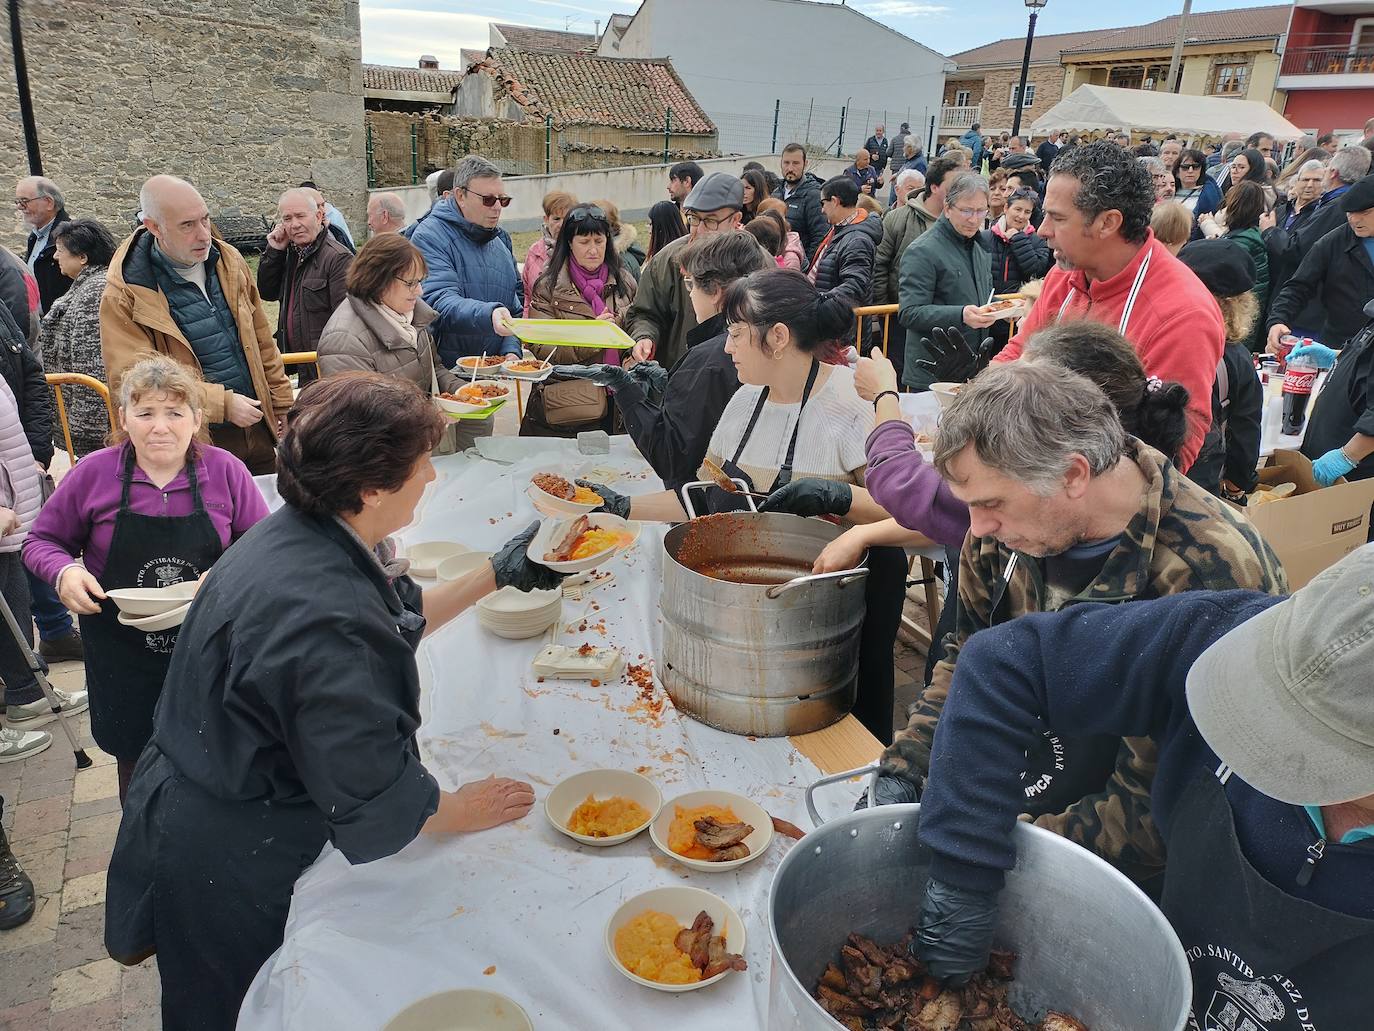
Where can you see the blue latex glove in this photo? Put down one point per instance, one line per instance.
(612, 376)
(615, 504)
(810, 496)
(1332, 465)
(954, 936)
(512, 565)
(1323, 356)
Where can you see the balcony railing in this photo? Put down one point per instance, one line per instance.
(960, 117)
(1330, 60)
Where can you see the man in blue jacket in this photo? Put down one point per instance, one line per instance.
(472, 282)
(973, 140)
(1264, 793)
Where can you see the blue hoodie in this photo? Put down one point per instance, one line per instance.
(974, 142)
(472, 272)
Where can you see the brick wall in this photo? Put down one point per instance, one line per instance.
(242, 97)
(974, 87)
(997, 109)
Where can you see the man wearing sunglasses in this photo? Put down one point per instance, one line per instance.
(473, 283)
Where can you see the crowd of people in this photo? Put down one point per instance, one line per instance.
(1087, 459)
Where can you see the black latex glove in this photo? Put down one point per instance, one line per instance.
(616, 504)
(651, 374)
(810, 497)
(955, 360)
(890, 791)
(954, 936)
(612, 376)
(513, 567)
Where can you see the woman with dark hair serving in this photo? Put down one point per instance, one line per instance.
(795, 430)
(289, 713)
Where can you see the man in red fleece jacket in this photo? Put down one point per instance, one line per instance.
(1110, 267)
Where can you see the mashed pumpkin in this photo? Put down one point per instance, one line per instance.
(597, 540)
(607, 817)
(645, 947)
(682, 832)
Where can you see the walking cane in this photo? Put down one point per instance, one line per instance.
(38, 668)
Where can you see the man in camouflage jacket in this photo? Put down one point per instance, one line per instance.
(1095, 791)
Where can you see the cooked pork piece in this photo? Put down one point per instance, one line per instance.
(718, 960)
(790, 830)
(563, 550)
(1060, 1022)
(711, 833)
(739, 850)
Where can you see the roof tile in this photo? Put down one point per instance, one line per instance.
(409, 80)
(547, 39)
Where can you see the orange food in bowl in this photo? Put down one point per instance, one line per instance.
(682, 832)
(596, 540)
(646, 946)
(608, 817)
(585, 496)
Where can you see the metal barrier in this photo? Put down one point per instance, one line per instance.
(885, 310)
(76, 379)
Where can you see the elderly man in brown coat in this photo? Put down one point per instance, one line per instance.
(304, 268)
(176, 289)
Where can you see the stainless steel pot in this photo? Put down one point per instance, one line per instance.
(759, 658)
(1089, 942)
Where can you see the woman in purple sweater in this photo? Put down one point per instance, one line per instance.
(156, 510)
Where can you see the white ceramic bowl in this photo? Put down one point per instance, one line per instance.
(552, 531)
(683, 904)
(462, 1009)
(457, 407)
(531, 377)
(468, 362)
(945, 393)
(551, 505)
(152, 601)
(161, 621)
(568, 794)
(426, 556)
(455, 566)
(750, 812)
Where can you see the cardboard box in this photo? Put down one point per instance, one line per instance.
(1314, 527)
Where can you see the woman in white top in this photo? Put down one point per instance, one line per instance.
(795, 430)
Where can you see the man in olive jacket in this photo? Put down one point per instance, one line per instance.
(176, 289)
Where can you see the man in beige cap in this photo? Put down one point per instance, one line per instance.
(1263, 711)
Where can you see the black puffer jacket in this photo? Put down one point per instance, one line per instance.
(844, 275)
(1023, 257)
(804, 212)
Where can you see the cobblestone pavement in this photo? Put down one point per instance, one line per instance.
(54, 972)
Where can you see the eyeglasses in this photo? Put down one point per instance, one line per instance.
(411, 284)
(23, 202)
(711, 222)
(490, 200)
(971, 212)
(586, 213)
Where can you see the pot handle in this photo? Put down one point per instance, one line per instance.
(690, 509)
(835, 778)
(843, 578)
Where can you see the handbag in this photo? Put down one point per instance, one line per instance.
(570, 404)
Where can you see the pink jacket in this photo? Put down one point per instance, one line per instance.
(19, 486)
(536, 260)
(794, 254)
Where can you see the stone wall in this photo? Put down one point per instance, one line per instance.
(399, 157)
(242, 97)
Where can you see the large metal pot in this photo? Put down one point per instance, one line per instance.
(765, 659)
(1090, 943)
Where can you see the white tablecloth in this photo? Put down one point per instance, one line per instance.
(521, 909)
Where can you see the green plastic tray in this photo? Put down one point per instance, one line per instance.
(597, 333)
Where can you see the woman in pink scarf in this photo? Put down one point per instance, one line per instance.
(584, 279)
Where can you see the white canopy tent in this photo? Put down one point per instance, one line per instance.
(1107, 108)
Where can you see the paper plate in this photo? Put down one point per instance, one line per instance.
(488, 362)
(572, 333)
(460, 565)
(551, 531)
(750, 812)
(568, 794)
(550, 504)
(539, 376)
(462, 1009)
(152, 601)
(472, 407)
(683, 904)
(425, 558)
(945, 393)
(161, 621)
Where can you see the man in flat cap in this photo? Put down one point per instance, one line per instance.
(661, 315)
(1338, 272)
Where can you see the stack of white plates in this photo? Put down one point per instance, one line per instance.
(517, 615)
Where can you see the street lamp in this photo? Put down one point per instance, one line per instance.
(1034, 6)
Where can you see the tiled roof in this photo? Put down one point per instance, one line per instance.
(467, 58)
(1010, 51)
(628, 93)
(409, 80)
(546, 39)
(1207, 27)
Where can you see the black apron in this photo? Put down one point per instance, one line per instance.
(722, 501)
(1262, 960)
(125, 667)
